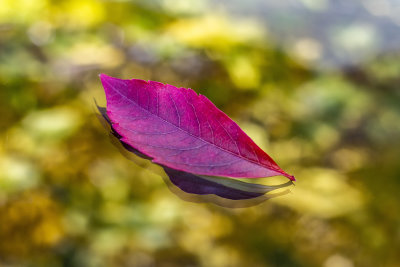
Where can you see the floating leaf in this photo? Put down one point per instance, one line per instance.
(182, 130)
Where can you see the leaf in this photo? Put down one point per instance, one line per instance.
(182, 130)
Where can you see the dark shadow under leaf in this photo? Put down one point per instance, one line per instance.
(226, 192)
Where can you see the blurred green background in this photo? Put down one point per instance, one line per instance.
(314, 82)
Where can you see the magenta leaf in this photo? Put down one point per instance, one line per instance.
(182, 130)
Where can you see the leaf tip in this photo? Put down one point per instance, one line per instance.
(103, 77)
(291, 177)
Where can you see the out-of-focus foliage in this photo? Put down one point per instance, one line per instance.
(68, 197)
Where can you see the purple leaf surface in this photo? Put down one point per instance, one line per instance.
(182, 130)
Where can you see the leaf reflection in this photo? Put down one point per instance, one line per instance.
(222, 191)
